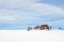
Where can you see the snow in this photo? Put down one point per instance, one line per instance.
(31, 36)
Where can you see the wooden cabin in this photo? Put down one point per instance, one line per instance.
(44, 26)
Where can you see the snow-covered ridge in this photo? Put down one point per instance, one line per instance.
(31, 36)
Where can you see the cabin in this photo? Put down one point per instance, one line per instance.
(44, 26)
(41, 27)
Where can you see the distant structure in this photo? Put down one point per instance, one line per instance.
(42, 27)
(60, 28)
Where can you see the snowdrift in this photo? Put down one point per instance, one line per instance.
(31, 36)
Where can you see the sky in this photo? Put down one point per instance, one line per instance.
(31, 36)
(20, 14)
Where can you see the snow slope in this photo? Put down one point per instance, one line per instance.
(31, 36)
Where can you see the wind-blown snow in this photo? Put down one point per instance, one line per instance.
(31, 36)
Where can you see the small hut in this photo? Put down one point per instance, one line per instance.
(44, 26)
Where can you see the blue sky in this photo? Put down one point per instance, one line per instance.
(59, 3)
(19, 14)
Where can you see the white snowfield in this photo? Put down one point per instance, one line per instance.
(31, 36)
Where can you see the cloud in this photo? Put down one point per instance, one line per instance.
(28, 5)
(28, 12)
(6, 18)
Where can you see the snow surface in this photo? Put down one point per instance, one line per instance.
(31, 36)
